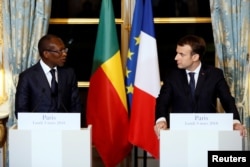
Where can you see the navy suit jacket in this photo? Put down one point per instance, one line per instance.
(175, 94)
(33, 93)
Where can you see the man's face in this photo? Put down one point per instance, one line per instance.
(56, 53)
(184, 57)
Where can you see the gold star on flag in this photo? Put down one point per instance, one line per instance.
(130, 89)
(130, 54)
(137, 40)
(127, 72)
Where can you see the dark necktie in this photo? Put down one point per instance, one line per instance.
(192, 82)
(54, 85)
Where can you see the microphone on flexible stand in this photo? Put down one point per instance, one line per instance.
(61, 103)
(40, 99)
(65, 109)
(196, 103)
(214, 107)
(63, 106)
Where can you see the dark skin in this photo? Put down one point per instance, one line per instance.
(55, 55)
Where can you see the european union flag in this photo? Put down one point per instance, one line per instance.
(133, 50)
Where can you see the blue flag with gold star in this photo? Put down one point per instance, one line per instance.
(133, 50)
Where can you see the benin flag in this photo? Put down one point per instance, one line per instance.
(106, 102)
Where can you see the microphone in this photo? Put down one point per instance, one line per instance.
(214, 107)
(40, 99)
(196, 103)
(61, 104)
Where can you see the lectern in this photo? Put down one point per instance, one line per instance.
(189, 148)
(50, 147)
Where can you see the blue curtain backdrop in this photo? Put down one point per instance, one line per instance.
(24, 22)
(230, 23)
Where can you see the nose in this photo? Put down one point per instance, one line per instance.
(176, 57)
(65, 51)
(64, 54)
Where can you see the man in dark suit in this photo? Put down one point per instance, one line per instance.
(176, 94)
(37, 89)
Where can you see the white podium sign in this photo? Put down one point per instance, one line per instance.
(201, 121)
(50, 148)
(50, 121)
(49, 140)
(191, 136)
(180, 148)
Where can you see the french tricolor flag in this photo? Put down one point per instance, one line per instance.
(146, 88)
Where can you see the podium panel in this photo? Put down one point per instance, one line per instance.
(50, 148)
(183, 148)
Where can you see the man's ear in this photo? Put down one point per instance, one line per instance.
(45, 54)
(196, 57)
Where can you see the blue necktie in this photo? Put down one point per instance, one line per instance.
(192, 82)
(54, 85)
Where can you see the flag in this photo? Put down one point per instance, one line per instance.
(133, 49)
(146, 88)
(106, 101)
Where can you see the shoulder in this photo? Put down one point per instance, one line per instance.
(65, 69)
(209, 70)
(175, 72)
(33, 69)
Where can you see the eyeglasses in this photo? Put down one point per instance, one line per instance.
(65, 50)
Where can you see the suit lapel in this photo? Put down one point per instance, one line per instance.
(43, 81)
(184, 82)
(190, 103)
(42, 77)
(60, 80)
(201, 80)
(61, 84)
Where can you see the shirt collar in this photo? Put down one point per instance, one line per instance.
(196, 71)
(45, 67)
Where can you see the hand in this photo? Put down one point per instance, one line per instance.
(158, 126)
(241, 128)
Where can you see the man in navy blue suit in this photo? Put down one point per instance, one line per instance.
(209, 83)
(38, 91)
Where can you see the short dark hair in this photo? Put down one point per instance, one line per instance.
(197, 44)
(44, 42)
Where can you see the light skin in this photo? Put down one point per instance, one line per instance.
(185, 59)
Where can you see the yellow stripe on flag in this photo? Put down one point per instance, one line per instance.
(113, 70)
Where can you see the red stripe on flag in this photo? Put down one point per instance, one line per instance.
(109, 119)
(142, 122)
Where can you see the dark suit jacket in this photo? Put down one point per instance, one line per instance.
(33, 93)
(175, 95)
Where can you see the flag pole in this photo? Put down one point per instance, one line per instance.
(144, 158)
(135, 156)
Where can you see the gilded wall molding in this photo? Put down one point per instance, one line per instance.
(3, 96)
